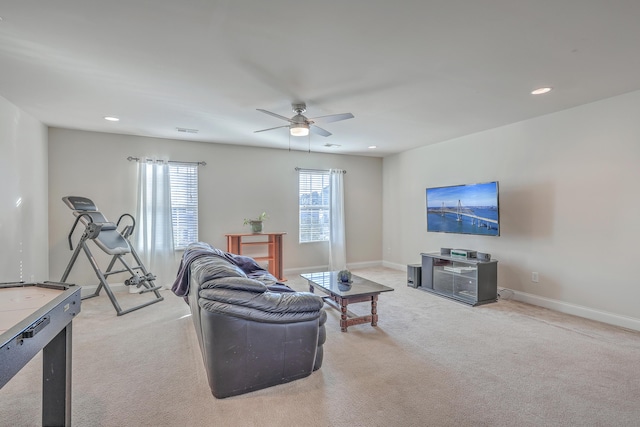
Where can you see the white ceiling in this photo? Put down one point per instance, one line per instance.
(412, 72)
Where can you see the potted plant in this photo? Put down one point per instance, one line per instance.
(256, 223)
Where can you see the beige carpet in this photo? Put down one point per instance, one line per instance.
(430, 362)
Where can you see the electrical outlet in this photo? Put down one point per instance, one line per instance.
(534, 277)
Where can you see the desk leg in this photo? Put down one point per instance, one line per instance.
(233, 245)
(56, 380)
(275, 256)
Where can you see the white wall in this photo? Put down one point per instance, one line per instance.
(23, 196)
(569, 206)
(236, 183)
(568, 200)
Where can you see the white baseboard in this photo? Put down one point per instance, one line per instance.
(402, 267)
(561, 306)
(576, 310)
(314, 269)
(290, 272)
(366, 264)
(91, 289)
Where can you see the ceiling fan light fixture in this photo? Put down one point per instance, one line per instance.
(299, 129)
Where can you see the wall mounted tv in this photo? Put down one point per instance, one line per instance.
(465, 209)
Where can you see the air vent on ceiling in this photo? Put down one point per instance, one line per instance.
(331, 145)
(185, 130)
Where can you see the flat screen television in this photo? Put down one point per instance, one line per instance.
(464, 209)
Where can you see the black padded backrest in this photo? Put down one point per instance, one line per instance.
(109, 240)
(84, 206)
(77, 203)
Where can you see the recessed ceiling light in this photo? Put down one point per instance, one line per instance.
(112, 119)
(372, 147)
(541, 90)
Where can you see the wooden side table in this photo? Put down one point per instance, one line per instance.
(235, 243)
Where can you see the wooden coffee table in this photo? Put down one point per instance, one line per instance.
(341, 295)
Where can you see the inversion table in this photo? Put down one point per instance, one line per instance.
(116, 243)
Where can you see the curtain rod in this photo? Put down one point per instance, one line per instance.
(137, 159)
(320, 170)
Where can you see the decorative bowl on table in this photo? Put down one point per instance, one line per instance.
(344, 286)
(344, 280)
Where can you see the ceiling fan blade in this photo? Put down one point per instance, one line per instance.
(319, 130)
(274, 114)
(332, 118)
(264, 130)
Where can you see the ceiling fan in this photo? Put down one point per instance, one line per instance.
(300, 125)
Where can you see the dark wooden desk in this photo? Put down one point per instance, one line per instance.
(34, 317)
(236, 242)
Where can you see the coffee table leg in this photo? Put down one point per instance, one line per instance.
(343, 314)
(374, 310)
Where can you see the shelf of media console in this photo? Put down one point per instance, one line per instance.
(459, 270)
(457, 258)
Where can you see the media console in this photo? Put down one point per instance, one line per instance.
(469, 281)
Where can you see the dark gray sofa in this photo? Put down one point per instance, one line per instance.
(253, 331)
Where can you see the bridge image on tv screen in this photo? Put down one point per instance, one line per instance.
(465, 209)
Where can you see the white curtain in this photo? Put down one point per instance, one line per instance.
(337, 245)
(154, 229)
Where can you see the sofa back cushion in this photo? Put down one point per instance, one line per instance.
(249, 299)
(214, 267)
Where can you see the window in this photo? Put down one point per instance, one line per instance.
(313, 190)
(184, 203)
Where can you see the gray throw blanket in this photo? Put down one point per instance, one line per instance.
(247, 264)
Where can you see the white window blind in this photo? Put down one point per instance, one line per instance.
(184, 203)
(313, 190)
